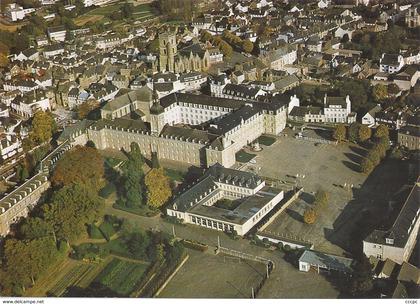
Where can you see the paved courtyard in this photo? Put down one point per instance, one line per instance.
(329, 167)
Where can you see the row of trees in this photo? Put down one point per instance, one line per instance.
(238, 43)
(41, 240)
(223, 46)
(321, 202)
(377, 151)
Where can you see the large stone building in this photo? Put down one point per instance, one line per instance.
(398, 242)
(191, 58)
(197, 129)
(251, 200)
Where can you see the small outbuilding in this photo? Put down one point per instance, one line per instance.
(319, 260)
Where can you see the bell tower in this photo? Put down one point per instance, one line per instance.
(167, 51)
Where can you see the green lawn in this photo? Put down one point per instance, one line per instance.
(142, 211)
(175, 175)
(121, 276)
(266, 140)
(244, 157)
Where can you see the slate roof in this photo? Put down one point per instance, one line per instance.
(234, 119)
(403, 225)
(200, 99)
(325, 260)
(390, 59)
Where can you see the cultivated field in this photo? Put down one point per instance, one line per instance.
(121, 276)
(82, 20)
(205, 275)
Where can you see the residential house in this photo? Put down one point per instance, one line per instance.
(391, 63)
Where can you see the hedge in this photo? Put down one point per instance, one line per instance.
(94, 232)
(195, 245)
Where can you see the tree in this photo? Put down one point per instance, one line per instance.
(133, 175)
(321, 198)
(21, 173)
(364, 133)
(82, 165)
(366, 166)
(35, 228)
(381, 131)
(71, 208)
(26, 260)
(43, 127)
(339, 133)
(374, 156)
(158, 188)
(353, 132)
(379, 92)
(226, 49)
(309, 216)
(358, 91)
(138, 243)
(86, 108)
(361, 281)
(345, 38)
(155, 161)
(247, 46)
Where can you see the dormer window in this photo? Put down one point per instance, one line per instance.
(389, 241)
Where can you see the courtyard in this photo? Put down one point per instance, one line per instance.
(334, 168)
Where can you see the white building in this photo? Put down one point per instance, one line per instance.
(108, 42)
(217, 84)
(15, 12)
(252, 200)
(57, 33)
(398, 242)
(193, 81)
(337, 109)
(9, 146)
(391, 63)
(26, 105)
(96, 2)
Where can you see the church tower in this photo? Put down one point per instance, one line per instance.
(167, 51)
(157, 116)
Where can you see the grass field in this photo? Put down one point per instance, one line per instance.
(266, 140)
(244, 157)
(121, 276)
(9, 28)
(82, 20)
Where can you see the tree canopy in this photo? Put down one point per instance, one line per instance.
(43, 127)
(339, 132)
(70, 209)
(309, 216)
(132, 178)
(158, 188)
(82, 165)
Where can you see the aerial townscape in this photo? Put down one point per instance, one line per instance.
(219, 149)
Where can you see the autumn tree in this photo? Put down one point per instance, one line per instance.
(339, 132)
(132, 178)
(381, 131)
(364, 133)
(321, 198)
(247, 46)
(374, 156)
(379, 92)
(43, 127)
(70, 209)
(158, 188)
(309, 216)
(225, 49)
(86, 108)
(366, 166)
(82, 165)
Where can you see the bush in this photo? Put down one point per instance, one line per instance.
(107, 230)
(195, 245)
(279, 246)
(106, 191)
(287, 248)
(94, 232)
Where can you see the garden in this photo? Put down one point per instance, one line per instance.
(244, 157)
